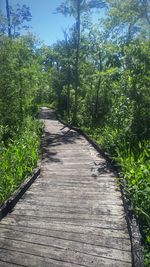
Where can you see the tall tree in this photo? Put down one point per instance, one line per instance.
(15, 20)
(78, 28)
(68, 52)
(77, 8)
(20, 15)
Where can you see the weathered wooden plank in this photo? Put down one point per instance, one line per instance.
(73, 188)
(81, 193)
(87, 256)
(92, 178)
(75, 244)
(7, 264)
(104, 210)
(70, 181)
(58, 230)
(78, 194)
(90, 202)
(64, 223)
(110, 221)
(27, 260)
(70, 215)
(101, 239)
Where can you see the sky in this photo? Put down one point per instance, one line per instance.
(46, 25)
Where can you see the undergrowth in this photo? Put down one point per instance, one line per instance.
(19, 157)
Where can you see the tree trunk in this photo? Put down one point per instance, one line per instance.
(97, 98)
(21, 99)
(98, 88)
(78, 26)
(68, 74)
(68, 93)
(8, 18)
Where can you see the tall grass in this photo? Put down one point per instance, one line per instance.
(135, 164)
(19, 158)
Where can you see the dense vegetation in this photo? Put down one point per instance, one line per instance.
(97, 77)
(20, 79)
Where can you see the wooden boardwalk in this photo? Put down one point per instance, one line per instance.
(72, 215)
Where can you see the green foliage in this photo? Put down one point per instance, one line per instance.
(128, 19)
(135, 164)
(19, 82)
(19, 158)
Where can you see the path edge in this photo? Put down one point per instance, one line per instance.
(132, 224)
(10, 203)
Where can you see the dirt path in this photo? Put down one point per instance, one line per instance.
(73, 213)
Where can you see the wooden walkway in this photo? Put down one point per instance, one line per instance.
(72, 216)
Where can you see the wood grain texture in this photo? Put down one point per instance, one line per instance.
(73, 214)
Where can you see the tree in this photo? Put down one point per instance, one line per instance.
(77, 8)
(68, 54)
(19, 81)
(19, 17)
(15, 20)
(128, 19)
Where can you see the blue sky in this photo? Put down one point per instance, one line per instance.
(45, 24)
